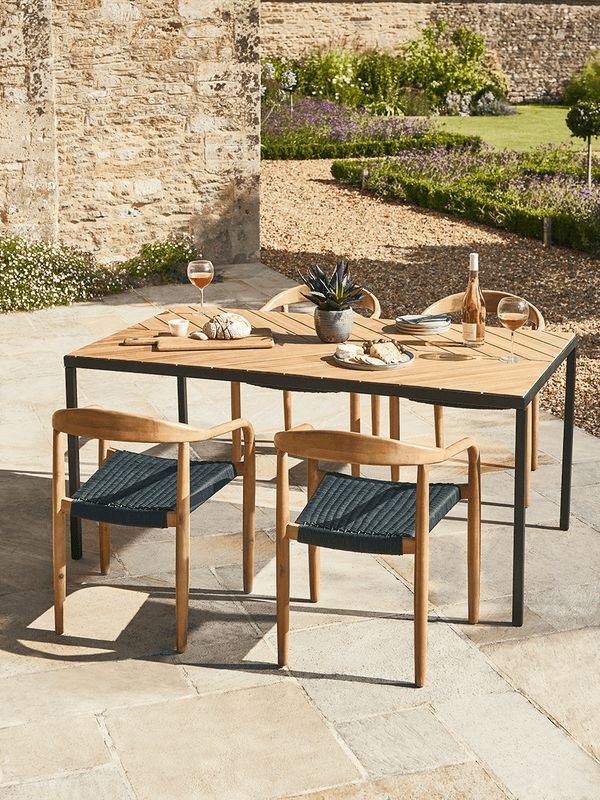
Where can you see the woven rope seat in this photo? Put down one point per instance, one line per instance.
(139, 489)
(369, 516)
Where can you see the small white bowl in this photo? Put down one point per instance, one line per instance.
(179, 327)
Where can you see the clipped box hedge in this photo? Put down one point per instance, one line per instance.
(470, 202)
(302, 148)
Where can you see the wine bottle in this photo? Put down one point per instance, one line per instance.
(473, 307)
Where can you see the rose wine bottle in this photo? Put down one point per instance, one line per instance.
(473, 307)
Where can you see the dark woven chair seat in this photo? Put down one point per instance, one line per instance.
(369, 516)
(139, 489)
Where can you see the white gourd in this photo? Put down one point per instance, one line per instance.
(227, 326)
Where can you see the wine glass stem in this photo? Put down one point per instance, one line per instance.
(512, 345)
(202, 299)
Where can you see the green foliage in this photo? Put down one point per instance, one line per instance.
(441, 61)
(36, 274)
(583, 120)
(414, 81)
(336, 293)
(585, 84)
(167, 258)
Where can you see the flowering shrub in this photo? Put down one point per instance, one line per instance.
(36, 274)
(417, 80)
(470, 105)
(325, 129)
(508, 189)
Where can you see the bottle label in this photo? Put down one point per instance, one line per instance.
(469, 331)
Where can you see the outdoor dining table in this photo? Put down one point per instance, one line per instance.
(443, 373)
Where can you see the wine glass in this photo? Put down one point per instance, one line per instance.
(200, 273)
(513, 313)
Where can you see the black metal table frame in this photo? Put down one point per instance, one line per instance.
(440, 397)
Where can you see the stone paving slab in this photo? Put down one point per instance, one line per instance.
(532, 757)
(458, 782)
(104, 782)
(251, 743)
(540, 666)
(403, 741)
(38, 751)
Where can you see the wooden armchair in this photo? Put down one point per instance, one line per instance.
(371, 516)
(453, 304)
(281, 302)
(143, 490)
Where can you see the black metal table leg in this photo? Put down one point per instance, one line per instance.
(73, 459)
(182, 404)
(567, 449)
(521, 434)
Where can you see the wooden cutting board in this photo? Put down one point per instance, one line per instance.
(260, 338)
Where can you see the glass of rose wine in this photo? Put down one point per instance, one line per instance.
(200, 273)
(513, 313)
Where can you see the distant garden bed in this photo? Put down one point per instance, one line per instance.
(508, 189)
(324, 129)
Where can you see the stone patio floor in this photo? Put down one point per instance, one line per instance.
(110, 711)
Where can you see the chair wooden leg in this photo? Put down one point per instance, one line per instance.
(59, 534)
(287, 410)
(104, 531)
(182, 582)
(529, 451)
(474, 537)
(535, 422)
(421, 580)
(59, 568)
(236, 413)
(375, 415)
(248, 517)
(395, 431)
(314, 572)
(421, 574)
(282, 560)
(438, 422)
(355, 425)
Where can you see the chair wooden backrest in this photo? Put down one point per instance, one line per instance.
(344, 447)
(295, 295)
(453, 303)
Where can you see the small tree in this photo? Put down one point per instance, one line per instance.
(583, 120)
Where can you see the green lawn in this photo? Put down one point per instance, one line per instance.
(529, 127)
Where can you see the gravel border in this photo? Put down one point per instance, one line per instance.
(410, 257)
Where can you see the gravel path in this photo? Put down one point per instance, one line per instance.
(410, 257)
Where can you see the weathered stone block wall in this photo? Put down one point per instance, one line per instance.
(538, 44)
(27, 129)
(155, 107)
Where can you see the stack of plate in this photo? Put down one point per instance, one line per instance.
(418, 323)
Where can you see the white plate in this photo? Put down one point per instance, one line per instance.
(407, 320)
(349, 364)
(423, 328)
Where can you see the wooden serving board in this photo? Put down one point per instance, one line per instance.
(260, 338)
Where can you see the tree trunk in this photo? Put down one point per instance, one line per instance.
(589, 162)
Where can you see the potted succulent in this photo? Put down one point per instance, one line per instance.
(334, 298)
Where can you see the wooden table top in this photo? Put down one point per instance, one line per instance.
(444, 371)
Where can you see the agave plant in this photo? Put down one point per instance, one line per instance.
(334, 293)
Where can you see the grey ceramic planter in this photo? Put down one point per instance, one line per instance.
(334, 326)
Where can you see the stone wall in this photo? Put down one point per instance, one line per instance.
(154, 104)
(28, 199)
(538, 45)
